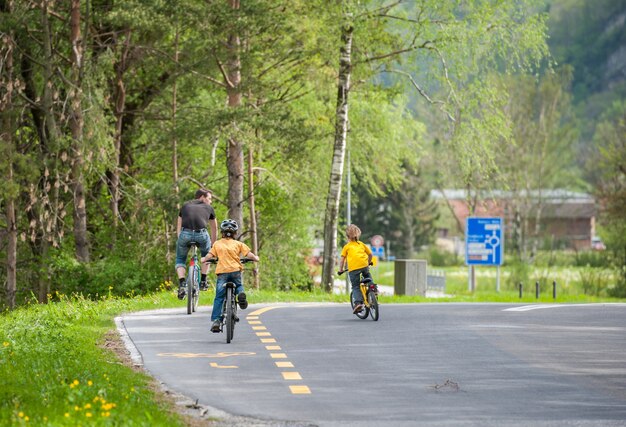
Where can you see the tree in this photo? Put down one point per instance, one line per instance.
(8, 82)
(541, 153)
(455, 46)
(610, 164)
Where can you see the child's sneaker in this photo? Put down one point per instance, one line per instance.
(357, 308)
(243, 302)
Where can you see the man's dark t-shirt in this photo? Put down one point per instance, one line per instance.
(196, 214)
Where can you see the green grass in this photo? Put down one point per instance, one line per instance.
(56, 369)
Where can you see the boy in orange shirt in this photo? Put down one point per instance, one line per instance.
(359, 257)
(228, 251)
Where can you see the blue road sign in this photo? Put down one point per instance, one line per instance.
(378, 251)
(484, 241)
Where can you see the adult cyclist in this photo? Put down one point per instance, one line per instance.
(193, 219)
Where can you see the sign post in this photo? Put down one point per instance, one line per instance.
(484, 244)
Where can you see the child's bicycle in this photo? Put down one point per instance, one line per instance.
(369, 290)
(229, 308)
(192, 291)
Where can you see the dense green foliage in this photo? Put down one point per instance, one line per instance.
(162, 91)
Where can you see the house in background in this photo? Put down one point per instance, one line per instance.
(567, 218)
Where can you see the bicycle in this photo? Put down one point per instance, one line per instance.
(192, 291)
(228, 314)
(369, 290)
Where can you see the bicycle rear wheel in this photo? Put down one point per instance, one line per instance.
(191, 277)
(361, 314)
(196, 287)
(230, 314)
(372, 299)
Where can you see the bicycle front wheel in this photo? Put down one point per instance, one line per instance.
(230, 314)
(372, 299)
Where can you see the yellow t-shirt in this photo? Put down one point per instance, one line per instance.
(228, 251)
(356, 254)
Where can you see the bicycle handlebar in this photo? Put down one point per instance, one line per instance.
(340, 272)
(215, 260)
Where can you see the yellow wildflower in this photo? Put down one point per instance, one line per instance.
(88, 414)
(89, 383)
(6, 344)
(20, 414)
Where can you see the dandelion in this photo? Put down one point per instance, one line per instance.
(88, 414)
(87, 405)
(76, 382)
(89, 383)
(20, 414)
(67, 415)
(6, 344)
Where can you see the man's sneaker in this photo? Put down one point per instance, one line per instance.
(204, 285)
(182, 290)
(243, 302)
(215, 327)
(357, 308)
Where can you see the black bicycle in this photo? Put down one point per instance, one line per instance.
(192, 292)
(228, 315)
(369, 291)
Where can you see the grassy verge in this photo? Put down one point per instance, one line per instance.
(57, 367)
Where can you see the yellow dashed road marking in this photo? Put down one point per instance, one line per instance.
(299, 389)
(261, 311)
(253, 320)
(284, 364)
(291, 376)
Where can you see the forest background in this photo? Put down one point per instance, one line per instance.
(113, 113)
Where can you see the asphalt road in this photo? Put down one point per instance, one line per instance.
(422, 364)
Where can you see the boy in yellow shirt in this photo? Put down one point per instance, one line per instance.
(359, 257)
(228, 252)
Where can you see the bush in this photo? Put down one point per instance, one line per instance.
(113, 276)
(594, 281)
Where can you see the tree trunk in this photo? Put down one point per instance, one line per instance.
(6, 135)
(339, 151)
(76, 125)
(119, 112)
(253, 231)
(50, 196)
(234, 157)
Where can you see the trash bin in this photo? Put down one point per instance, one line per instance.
(410, 277)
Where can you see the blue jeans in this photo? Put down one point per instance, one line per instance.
(220, 291)
(200, 237)
(355, 280)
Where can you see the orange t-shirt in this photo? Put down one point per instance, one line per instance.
(228, 251)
